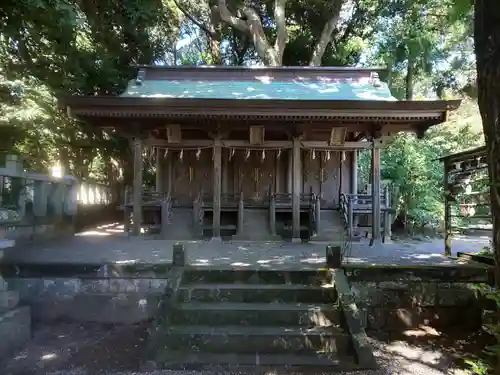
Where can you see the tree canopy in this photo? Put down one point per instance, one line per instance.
(91, 48)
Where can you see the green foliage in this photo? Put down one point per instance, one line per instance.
(414, 171)
(83, 47)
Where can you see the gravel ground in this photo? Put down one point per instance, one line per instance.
(93, 349)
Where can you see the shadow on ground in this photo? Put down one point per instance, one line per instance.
(425, 346)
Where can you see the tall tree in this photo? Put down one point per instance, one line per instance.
(487, 45)
(287, 32)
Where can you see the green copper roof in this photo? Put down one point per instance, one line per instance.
(296, 90)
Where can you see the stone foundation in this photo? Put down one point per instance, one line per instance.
(106, 300)
(396, 306)
(15, 322)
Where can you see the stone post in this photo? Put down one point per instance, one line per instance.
(56, 198)
(137, 187)
(40, 199)
(71, 201)
(333, 256)
(179, 255)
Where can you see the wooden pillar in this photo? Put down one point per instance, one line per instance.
(350, 216)
(354, 187)
(241, 213)
(387, 215)
(164, 218)
(317, 212)
(447, 212)
(272, 215)
(277, 174)
(137, 186)
(170, 173)
(375, 193)
(296, 188)
(160, 173)
(289, 172)
(217, 177)
(354, 172)
(225, 171)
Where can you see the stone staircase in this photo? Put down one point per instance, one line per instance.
(256, 226)
(332, 228)
(181, 225)
(253, 318)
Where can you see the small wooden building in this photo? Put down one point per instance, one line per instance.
(256, 153)
(467, 202)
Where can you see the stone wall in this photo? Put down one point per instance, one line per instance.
(15, 320)
(396, 306)
(104, 300)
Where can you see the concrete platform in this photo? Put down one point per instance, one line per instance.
(108, 244)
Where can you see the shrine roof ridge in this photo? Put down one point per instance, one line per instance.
(279, 73)
(459, 156)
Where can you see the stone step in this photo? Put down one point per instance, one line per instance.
(215, 275)
(258, 314)
(186, 360)
(258, 293)
(257, 339)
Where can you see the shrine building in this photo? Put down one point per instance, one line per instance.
(260, 153)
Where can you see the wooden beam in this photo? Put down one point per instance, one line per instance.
(174, 134)
(267, 144)
(337, 135)
(337, 146)
(185, 143)
(257, 135)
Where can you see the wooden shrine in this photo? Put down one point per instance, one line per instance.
(467, 201)
(256, 153)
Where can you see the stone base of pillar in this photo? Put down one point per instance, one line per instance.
(264, 237)
(216, 240)
(296, 240)
(375, 242)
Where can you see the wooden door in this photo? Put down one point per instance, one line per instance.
(322, 176)
(191, 175)
(254, 176)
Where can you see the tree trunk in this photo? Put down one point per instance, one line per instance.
(487, 46)
(409, 78)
